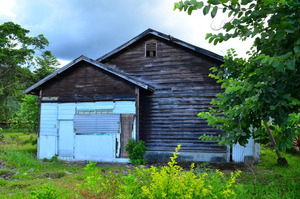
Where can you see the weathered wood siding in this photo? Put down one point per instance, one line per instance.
(168, 117)
(85, 82)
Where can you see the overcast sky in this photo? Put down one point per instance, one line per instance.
(95, 27)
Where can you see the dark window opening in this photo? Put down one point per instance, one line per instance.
(151, 50)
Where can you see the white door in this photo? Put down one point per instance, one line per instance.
(66, 138)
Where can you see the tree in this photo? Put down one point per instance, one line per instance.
(17, 50)
(260, 92)
(27, 115)
(46, 65)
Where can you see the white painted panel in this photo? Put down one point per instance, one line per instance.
(65, 138)
(124, 107)
(66, 111)
(95, 147)
(48, 119)
(251, 149)
(105, 105)
(46, 146)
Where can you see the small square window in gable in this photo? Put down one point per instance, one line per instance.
(151, 50)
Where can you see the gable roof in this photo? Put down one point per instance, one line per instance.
(167, 38)
(106, 68)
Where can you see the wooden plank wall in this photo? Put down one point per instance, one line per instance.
(168, 117)
(85, 82)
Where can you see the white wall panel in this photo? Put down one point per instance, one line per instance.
(251, 149)
(65, 138)
(66, 111)
(95, 147)
(46, 146)
(48, 119)
(124, 107)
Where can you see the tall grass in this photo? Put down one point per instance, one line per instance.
(19, 159)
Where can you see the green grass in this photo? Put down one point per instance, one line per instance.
(269, 180)
(19, 157)
(263, 180)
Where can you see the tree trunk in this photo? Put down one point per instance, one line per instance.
(280, 160)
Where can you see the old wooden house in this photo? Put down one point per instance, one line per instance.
(150, 88)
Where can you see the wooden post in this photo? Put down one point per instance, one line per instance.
(137, 113)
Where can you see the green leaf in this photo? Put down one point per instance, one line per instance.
(264, 60)
(233, 2)
(208, 35)
(214, 12)
(295, 102)
(284, 56)
(190, 10)
(186, 3)
(216, 41)
(236, 21)
(224, 1)
(245, 2)
(228, 26)
(214, 2)
(280, 67)
(289, 30)
(200, 5)
(206, 9)
(297, 49)
(291, 64)
(240, 14)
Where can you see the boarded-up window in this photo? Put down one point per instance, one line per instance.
(151, 50)
(96, 123)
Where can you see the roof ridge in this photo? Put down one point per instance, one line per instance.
(166, 37)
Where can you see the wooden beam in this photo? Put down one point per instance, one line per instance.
(137, 112)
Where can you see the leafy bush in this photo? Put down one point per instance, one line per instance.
(172, 182)
(166, 182)
(136, 151)
(46, 192)
(96, 184)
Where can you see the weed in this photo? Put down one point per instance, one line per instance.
(46, 192)
(17, 159)
(3, 182)
(4, 171)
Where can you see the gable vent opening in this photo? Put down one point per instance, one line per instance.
(151, 50)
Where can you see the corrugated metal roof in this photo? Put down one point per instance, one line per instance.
(97, 64)
(165, 37)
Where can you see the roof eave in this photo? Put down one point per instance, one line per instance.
(96, 63)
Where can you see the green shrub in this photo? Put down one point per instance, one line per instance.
(173, 182)
(46, 192)
(166, 182)
(136, 151)
(96, 184)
